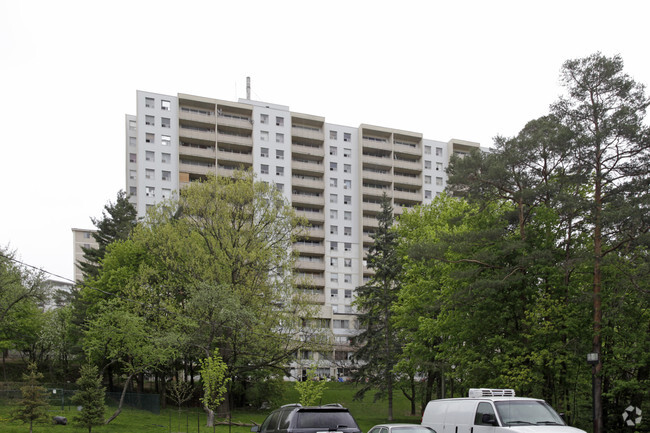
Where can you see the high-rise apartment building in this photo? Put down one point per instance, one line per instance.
(333, 175)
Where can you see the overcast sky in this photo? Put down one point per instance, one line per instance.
(69, 73)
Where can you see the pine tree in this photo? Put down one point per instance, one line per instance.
(32, 406)
(117, 222)
(90, 397)
(377, 345)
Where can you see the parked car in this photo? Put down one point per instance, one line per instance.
(295, 418)
(494, 411)
(401, 428)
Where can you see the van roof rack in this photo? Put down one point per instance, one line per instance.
(489, 392)
(292, 405)
(333, 405)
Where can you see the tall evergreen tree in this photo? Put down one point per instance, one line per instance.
(378, 344)
(32, 406)
(117, 222)
(90, 397)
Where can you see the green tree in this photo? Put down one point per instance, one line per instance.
(117, 222)
(214, 374)
(310, 390)
(90, 397)
(377, 344)
(32, 406)
(605, 108)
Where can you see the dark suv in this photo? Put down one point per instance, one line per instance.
(294, 418)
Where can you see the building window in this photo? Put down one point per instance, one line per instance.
(264, 135)
(334, 293)
(438, 166)
(132, 157)
(333, 166)
(439, 181)
(334, 261)
(279, 187)
(279, 171)
(132, 141)
(150, 191)
(438, 151)
(166, 158)
(427, 165)
(347, 231)
(279, 121)
(264, 152)
(165, 122)
(347, 263)
(279, 138)
(347, 278)
(335, 279)
(166, 193)
(264, 119)
(347, 184)
(348, 246)
(149, 138)
(427, 194)
(347, 168)
(334, 246)
(166, 176)
(348, 294)
(341, 324)
(427, 180)
(133, 190)
(132, 125)
(334, 198)
(149, 102)
(279, 154)
(149, 173)
(165, 140)
(347, 136)
(333, 135)
(150, 156)
(148, 120)
(165, 105)
(334, 214)
(264, 169)
(333, 182)
(132, 174)
(334, 230)
(333, 150)
(347, 215)
(347, 153)
(347, 199)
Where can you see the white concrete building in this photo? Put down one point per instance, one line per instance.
(333, 175)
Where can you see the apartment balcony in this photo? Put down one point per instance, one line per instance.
(385, 163)
(310, 265)
(310, 133)
(375, 192)
(197, 134)
(367, 239)
(198, 116)
(370, 222)
(235, 122)
(314, 217)
(315, 233)
(306, 248)
(373, 175)
(226, 171)
(207, 152)
(299, 149)
(406, 149)
(371, 207)
(377, 144)
(312, 280)
(309, 184)
(241, 140)
(316, 298)
(245, 159)
(412, 166)
(307, 167)
(407, 181)
(202, 170)
(308, 199)
(415, 197)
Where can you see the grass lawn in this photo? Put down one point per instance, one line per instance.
(366, 412)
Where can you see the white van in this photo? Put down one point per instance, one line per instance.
(493, 411)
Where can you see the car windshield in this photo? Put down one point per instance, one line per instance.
(325, 419)
(414, 429)
(527, 412)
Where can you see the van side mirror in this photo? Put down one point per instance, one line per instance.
(489, 419)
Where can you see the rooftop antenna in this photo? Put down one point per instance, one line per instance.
(248, 88)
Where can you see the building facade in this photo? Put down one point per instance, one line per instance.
(333, 175)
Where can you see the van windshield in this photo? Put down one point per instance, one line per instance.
(527, 412)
